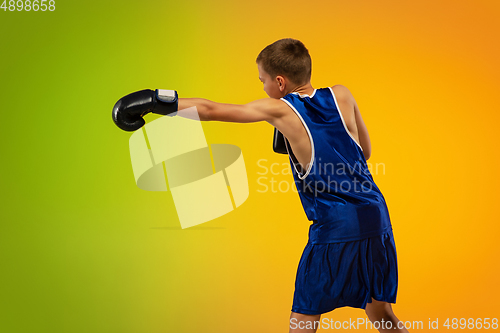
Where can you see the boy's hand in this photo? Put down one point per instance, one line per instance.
(129, 111)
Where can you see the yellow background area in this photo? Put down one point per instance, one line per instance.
(83, 249)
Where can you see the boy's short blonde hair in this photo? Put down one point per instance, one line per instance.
(287, 57)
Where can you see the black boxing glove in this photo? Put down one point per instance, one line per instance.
(129, 111)
(279, 145)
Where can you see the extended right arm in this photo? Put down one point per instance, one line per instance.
(129, 111)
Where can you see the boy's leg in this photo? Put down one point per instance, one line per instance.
(301, 323)
(378, 311)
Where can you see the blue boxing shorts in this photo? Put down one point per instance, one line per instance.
(335, 275)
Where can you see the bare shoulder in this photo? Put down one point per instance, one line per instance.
(275, 108)
(341, 92)
(267, 103)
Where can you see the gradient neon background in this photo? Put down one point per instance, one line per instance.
(84, 250)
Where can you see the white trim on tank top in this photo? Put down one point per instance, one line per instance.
(310, 139)
(342, 118)
(305, 95)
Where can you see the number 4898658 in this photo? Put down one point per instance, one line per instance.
(28, 5)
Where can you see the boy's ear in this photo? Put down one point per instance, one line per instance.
(281, 81)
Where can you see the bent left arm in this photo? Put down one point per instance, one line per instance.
(266, 109)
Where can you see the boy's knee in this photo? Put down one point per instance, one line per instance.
(378, 309)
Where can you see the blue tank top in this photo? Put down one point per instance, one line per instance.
(337, 190)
